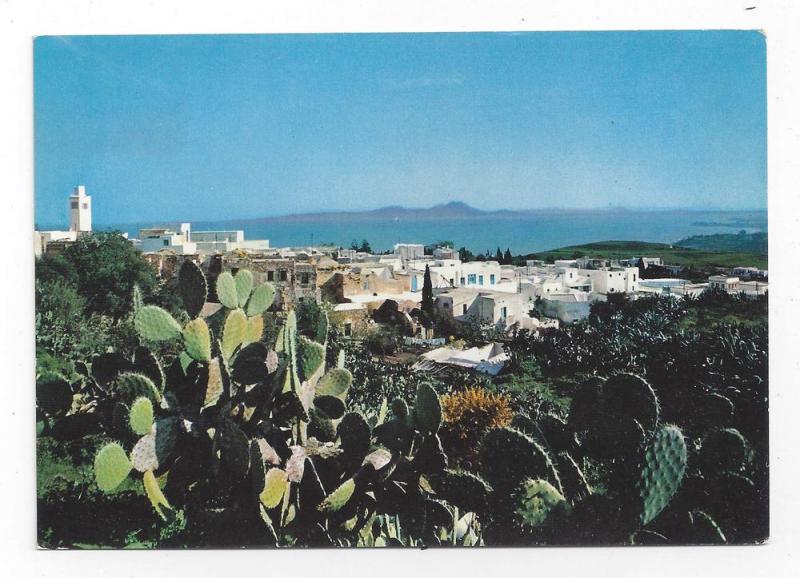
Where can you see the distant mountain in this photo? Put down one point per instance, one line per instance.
(742, 241)
(451, 210)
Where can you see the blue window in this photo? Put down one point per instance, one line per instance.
(480, 279)
(462, 281)
(471, 279)
(491, 279)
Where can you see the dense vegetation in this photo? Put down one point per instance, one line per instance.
(740, 242)
(647, 423)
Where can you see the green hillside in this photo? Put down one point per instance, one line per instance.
(670, 254)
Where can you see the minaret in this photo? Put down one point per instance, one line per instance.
(80, 210)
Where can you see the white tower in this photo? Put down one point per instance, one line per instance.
(80, 210)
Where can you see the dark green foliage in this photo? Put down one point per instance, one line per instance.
(427, 293)
(107, 268)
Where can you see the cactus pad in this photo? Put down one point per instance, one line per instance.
(197, 340)
(226, 290)
(723, 450)
(462, 489)
(128, 386)
(192, 287)
(536, 500)
(399, 408)
(146, 363)
(662, 474)
(276, 482)
(312, 357)
(339, 497)
(111, 467)
(214, 387)
(255, 329)
(261, 299)
(141, 416)
(244, 285)
(330, 405)
(154, 493)
(427, 409)
(335, 382)
(234, 332)
(509, 456)
(143, 455)
(153, 323)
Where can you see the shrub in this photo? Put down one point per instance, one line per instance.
(468, 414)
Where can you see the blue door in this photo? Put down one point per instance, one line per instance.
(414, 283)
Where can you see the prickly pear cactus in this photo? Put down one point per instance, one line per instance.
(153, 323)
(663, 471)
(336, 382)
(509, 456)
(226, 290)
(111, 467)
(337, 499)
(141, 416)
(197, 340)
(192, 287)
(536, 500)
(244, 285)
(260, 300)
(427, 409)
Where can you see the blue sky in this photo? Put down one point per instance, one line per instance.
(214, 127)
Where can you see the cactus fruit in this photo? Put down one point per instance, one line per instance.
(141, 416)
(152, 323)
(244, 285)
(335, 382)
(234, 333)
(662, 473)
(226, 290)
(276, 482)
(154, 493)
(128, 386)
(337, 499)
(312, 357)
(536, 500)
(111, 467)
(427, 409)
(192, 287)
(197, 340)
(260, 300)
(509, 456)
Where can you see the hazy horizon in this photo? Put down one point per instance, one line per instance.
(227, 127)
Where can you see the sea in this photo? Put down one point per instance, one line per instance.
(522, 234)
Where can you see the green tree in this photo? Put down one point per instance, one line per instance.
(498, 256)
(107, 268)
(507, 258)
(427, 293)
(55, 268)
